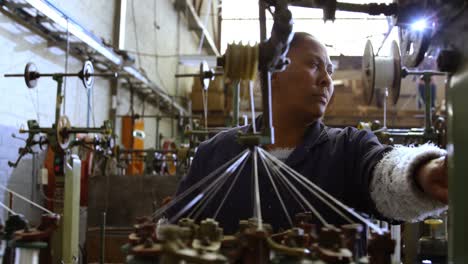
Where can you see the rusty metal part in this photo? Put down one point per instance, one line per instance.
(209, 236)
(330, 246)
(49, 223)
(352, 235)
(380, 249)
(62, 132)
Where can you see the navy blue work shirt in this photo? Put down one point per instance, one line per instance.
(340, 161)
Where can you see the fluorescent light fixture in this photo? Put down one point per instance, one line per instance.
(419, 25)
(135, 73)
(122, 24)
(75, 29)
(64, 21)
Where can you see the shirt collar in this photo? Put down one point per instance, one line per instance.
(315, 132)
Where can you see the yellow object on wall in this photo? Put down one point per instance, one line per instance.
(129, 141)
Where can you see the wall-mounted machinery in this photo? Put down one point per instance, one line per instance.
(67, 167)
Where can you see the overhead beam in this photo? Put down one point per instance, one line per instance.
(186, 5)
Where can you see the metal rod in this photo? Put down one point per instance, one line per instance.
(103, 237)
(235, 103)
(58, 97)
(76, 130)
(430, 73)
(265, 77)
(115, 74)
(157, 143)
(162, 116)
(44, 130)
(372, 9)
(375, 9)
(428, 104)
(14, 75)
(204, 132)
(146, 150)
(183, 75)
(257, 204)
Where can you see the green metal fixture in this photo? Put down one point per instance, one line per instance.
(457, 149)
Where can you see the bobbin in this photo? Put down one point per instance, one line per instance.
(380, 72)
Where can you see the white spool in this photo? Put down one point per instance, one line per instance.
(381, 72)
(384, 72)
(26, 256)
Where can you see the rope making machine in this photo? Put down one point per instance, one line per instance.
(155, 240)
(64, 184)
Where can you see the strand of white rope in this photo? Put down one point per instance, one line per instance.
(285, 185)
(283, 206)
(7, 208)
(205, 109)
(26, 200)
(181, 196)
(336, 201)
(239, 169)
(230, 188)
(334, 208)
(299, 194)
(252, 106)
(204, 193)
(208, 195)
(258, 205)
(214, 187)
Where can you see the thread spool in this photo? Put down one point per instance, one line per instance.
(26, 256)
(380, 72)
(28, 252)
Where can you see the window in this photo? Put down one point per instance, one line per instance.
(346, 36)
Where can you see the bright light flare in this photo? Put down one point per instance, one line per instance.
(419, 25)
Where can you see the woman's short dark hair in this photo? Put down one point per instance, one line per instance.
(299, 37)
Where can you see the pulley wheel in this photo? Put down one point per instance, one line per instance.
(413, 45)
(42, 142)
(62, 132)
(87, 74)
(368, 73)
(394, 91)
(205, 82)
(31, 75)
